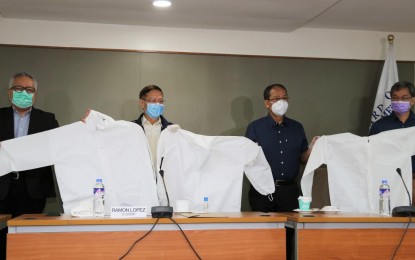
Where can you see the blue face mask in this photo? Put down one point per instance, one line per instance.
(154, 110)
(22, 99)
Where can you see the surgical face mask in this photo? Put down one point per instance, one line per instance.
(22, 99)
(154, 110)
(401, 107)
(280, 107)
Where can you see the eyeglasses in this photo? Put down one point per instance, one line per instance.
(29, 90)
(273, 100)
(404, 98)
(160, 101)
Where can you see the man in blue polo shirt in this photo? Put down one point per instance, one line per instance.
(285, 146)
(402, 99)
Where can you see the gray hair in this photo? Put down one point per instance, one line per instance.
(22, 74)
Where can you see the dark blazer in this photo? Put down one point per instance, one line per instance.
(164, 122)
(39, 182)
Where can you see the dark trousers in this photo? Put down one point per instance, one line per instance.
(3, 239)
(18, 202)
(284, 199)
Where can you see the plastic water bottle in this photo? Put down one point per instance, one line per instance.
(99, 195)
(205, 204)
(384, 199)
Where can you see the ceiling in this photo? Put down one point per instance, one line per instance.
(244, 15)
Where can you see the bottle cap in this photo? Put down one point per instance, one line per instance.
(384, 181)
(205, 199)
(99, 180)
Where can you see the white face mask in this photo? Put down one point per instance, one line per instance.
(280, 107)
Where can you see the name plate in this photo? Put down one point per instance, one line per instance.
(128, 212)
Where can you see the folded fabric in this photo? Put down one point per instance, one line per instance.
(84, 208)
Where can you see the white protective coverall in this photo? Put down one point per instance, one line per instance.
(356, 166)
(116, 151)
(198, 166)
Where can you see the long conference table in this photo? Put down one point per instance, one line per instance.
(247, 235)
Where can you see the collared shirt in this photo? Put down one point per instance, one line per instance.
(152, 132)
(283, 144)
(21, 123)
(392, 122)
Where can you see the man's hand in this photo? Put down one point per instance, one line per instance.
(86, 115)
(173, 128)
(306, 153)
(313, 141)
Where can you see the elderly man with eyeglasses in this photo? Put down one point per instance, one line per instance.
(285, 146)
(24, 192)
(151, 120)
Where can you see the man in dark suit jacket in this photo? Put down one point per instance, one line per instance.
(25, 192)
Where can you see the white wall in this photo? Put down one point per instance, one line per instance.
(314, 43)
